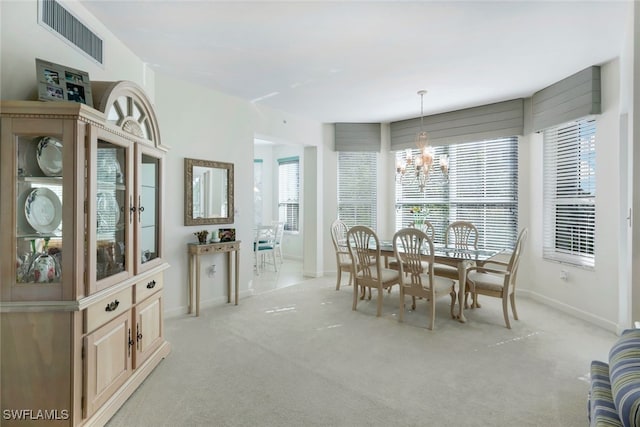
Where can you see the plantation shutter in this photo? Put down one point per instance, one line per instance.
(357, 188)
(570, 193)
(289, 192)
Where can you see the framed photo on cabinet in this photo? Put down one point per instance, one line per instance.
(60, 83)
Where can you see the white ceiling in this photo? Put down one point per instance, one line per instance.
(364, 61)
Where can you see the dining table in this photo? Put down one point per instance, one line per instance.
(456, 257)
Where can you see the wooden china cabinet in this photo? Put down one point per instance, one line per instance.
(82, 263)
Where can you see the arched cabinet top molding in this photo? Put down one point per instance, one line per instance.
(127, 108)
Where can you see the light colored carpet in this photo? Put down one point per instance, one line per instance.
(299, 356)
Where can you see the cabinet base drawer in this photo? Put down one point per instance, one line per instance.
(107, 309)
(148, 286)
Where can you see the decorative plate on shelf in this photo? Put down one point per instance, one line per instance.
(43, 210)
(108, 212)
(49, 155)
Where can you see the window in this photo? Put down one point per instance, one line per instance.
(482, 188)
(289, 193)
(357, 188)
(570, 193)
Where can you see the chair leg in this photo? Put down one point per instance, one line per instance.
(379, 311)
(256, 266)
(339, 278)
(413, 303)
(505, 302)
(475, 301)
(401, 315)
(432, 318)
(513, 305)
(355, 296)
(453, 303)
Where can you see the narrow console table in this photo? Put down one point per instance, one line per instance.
(195, 251)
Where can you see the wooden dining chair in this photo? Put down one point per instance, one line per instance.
(461, 235)
(278, 240)
(414, 251)
(343, 258)
(425, 227)
(498, 279)
(264, 245)
(364, 248)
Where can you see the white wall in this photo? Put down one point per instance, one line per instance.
(329, 204)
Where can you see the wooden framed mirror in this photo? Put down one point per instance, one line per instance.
(208, 192)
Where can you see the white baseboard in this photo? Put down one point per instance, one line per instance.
(212, 302)
(575, 312)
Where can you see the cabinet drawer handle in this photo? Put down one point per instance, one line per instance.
(112, 306)
(151, 284)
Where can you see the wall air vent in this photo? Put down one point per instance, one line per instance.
(59, 20)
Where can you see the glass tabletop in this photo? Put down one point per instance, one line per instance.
(442, 251)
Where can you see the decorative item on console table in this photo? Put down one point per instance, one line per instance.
(227, 234)
(202, 236)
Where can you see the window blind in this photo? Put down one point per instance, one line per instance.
(570, 193)
(482, 188)
(289, 193)
(357, 188)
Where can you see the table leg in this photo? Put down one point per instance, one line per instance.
(197, 286)
(228, 277)
(462, 286)
(190, 282)
(237, 273)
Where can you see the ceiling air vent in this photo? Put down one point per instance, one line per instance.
(62, 22)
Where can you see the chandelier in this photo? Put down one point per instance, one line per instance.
(423, 164)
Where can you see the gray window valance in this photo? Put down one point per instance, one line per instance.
(569, 99)
(470, 124)
(357, 137)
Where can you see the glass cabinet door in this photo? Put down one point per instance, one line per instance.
(111, 218)
(112, 215)
(149, 163)
(39, 189)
